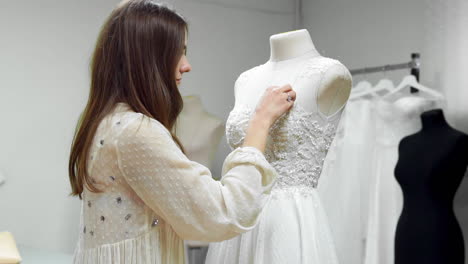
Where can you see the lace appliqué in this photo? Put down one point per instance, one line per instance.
(316, 66)
(299, 140)
(296, 147)
(290, 192)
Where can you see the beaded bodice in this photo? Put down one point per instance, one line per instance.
(298, 141)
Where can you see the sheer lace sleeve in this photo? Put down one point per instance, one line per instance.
(184, 193)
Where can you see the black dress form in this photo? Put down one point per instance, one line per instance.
(430, 167)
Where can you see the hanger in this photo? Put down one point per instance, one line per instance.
(359, 89)
(362, 86)
(383, 85)
(410, 81)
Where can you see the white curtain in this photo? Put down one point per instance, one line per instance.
(445, 60)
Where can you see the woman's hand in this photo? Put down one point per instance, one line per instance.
(275, 102)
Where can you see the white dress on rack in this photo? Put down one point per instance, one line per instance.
(344, 184)
(395, 120)
(293, 227)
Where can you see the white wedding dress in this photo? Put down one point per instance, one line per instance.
(293, 227)
(344, 184)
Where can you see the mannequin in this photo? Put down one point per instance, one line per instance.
(289, 52)
(199, 131)
(8, 249)
(430, 168)
(2, 178)
(293, 227)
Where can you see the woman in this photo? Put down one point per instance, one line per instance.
(141, 195)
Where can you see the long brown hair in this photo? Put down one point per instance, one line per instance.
(134, 62)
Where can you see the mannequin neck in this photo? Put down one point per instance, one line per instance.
(193, 105)
(433, 118)
(290, 45)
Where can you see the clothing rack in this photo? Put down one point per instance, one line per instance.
(414, 65)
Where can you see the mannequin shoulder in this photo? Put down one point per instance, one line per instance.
(246, 75)
(333, 67)
(244, 78)
(326, 68)
(216, 121)
(333, 71)
(335, 85)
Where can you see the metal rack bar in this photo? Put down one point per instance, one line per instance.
(414, 65)
(384, 68)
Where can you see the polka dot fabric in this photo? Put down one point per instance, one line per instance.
(152, 196)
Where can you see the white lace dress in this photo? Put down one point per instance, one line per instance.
(293, 227)
(345, 179)
(154, 196)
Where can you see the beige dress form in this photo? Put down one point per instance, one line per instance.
(199, 131)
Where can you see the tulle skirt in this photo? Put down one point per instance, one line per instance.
(293, 229)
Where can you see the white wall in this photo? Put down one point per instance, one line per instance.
(45, 51)
(362, 33)
(446, 49)
(45, 47)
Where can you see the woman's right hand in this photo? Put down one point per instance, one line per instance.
(271, 106)
(274, 103)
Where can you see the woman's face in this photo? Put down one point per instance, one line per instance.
(183, 65)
